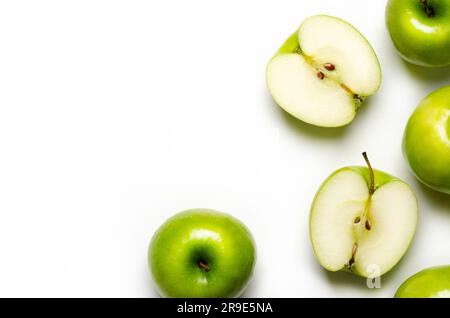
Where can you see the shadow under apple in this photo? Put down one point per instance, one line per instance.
(326, 133)
(438, 199)
(349, 279)
(250, 290)
(427, 74)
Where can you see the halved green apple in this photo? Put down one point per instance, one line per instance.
(323, 72)
(362, 219)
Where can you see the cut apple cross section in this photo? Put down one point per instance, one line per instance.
(323, 72)
(363, 221)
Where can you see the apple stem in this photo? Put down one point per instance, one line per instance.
(428, 9)
(202, 265)
(372, 176)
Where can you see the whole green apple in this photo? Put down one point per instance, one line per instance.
(201, 254)
(429, 283)
(362, 220)
(420, 30)
(426, 141)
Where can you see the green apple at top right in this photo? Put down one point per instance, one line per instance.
(420, 30)
(426, 142)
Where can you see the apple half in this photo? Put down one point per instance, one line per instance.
(323, 72)
(362, 220)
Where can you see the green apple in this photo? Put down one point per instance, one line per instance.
(201, 253)
(362, 220)
(429, 283)
(323, 72)
(420, 30)
(426, 141)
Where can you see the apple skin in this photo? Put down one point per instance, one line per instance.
(216, 238)
(291, 45)
(381, 178)
(430, 283)
(426, 141)
(418, 38)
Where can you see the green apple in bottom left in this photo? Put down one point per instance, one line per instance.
(202, 253)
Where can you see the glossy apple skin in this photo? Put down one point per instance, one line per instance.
(426, 141)
(429, 283)
(216, 238)
(418, 38)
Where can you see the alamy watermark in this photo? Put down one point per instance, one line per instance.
(374, 276)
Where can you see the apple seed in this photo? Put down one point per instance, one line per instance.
(368, 225)
(329, 67)
(320, 75)
(357, 220)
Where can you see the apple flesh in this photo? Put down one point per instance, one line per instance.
(362, 220)
(323, 72)
(420, 30)
(429, 283)
(201, 253)
(426, 141)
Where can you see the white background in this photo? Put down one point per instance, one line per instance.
(114, 115)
